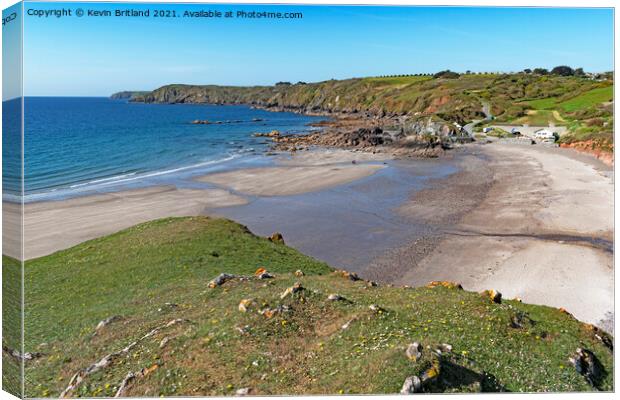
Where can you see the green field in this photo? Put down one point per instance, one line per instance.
(158, 272)
(579, 102)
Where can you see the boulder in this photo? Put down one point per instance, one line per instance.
(276, 238)
(412, 385)
(299, 273)
(348, 275)
(587, 365)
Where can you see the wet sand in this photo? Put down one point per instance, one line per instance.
(289, 180)
(55, 225)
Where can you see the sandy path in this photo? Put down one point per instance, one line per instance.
(543, 233)
(55, 225)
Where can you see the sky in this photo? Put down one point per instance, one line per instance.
(11, 54)
(97, 56)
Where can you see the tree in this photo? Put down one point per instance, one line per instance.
(446, 74)
(540, 71)
(579, 72)
(527, 71)
(562, 70)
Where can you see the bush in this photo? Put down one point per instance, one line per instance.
(563, 70)
(447, 74)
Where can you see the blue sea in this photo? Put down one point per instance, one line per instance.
(77, 146)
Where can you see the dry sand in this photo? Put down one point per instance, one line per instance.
(543, 232)
(55, 225)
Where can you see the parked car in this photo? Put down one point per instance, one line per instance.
(515, 132)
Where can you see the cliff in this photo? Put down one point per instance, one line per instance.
(459, 99)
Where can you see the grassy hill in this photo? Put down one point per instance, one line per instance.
(184, 338)
(457, 99)
(582, 104)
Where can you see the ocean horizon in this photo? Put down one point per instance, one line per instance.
(83, 145)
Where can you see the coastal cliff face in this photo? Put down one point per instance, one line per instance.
(366, 97)
(127, 95)
(458, 100)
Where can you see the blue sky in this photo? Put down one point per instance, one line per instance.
(11, 57)
(96, 56)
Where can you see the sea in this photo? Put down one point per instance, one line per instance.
(83, 145)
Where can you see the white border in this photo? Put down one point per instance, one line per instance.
(489, 3)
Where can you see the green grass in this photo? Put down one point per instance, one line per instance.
(588, 99)
(11, 323)
(398, 80)
(580, 102)
(304, 351)
(543, 104)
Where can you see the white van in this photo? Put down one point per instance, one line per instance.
(544, 134)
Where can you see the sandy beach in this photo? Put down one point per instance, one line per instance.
(530, 221)
(55, 225)
(289, 180)
(542, 231)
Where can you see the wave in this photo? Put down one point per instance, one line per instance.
(121, 179)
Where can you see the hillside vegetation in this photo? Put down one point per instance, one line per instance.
(134, 313)
(582, 104)
(458, 99)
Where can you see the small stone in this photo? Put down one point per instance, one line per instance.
(414, 351)
(299, 273)
(102, 324)
(245, 304)
(220, 280)
(375, 308)
(444, 348)
(412, 384)
(371, 284)
(446, 284)
(348, 324)
(335, 297)
(292, 290)
(243, 391)
(164, 342)
(493, 295)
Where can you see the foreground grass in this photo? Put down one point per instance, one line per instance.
(215, 349)
(11, 324)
